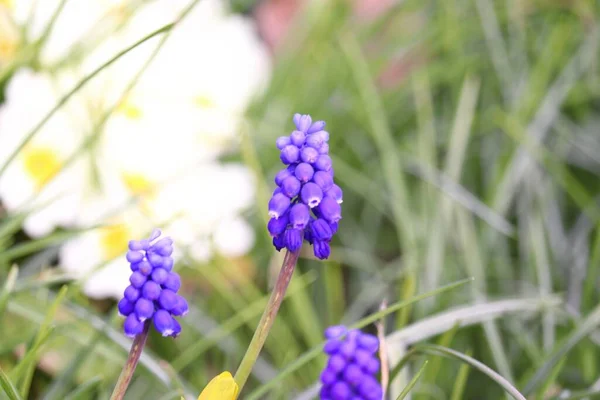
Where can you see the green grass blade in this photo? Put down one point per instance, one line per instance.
(412, 382)
(544, 372)
(8, 387)
(461, 380)
(496, 377)
(84, 390)
(9, 285)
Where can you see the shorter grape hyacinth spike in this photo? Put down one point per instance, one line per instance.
(352, 365)
(306, 203)
(152, 294)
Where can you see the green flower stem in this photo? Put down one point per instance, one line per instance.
(132, 361)
(266, 321)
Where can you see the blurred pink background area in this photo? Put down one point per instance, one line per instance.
(275, 17)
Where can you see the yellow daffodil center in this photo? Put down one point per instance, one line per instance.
(204, 101)
(129, 110)
(137, 184)
(7, 3)
(41, 164)
(113, 240)
(221, 387)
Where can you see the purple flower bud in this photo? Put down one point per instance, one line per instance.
(164, 323)
(167, 299)
(372, 366)
(137, 245)
(276, 226)
(144, 309)
(137, 279)
(144, 268)
(165, 251)
(151, 290)
(278, 205)
(304, 172)
(304, 123)
(296, 119)
(336, 363)
(181, 307)
(332, 346)
(279, 242)
(316, 126)
(321, 230)
(166, 241)
(323, 135)
(308, 235)
(134, 256)
(329, 209)
(323, 163)
(335, 331)
(370, 389)
(276, 191)
(176, 328)
(362, 357)
(172, 282)
(289, 154)
(321, 249)
(309, 155)
(328, 377)
(336, 193)
(290, 186)
(155, 234)
(168, 263)
(353, 374)
(155, 259)
(134, 267)
(293, 239)
(282, 141)
(297, 138)
(125, 307)
(159, 275)
(324, 149)
(315, 141)
(347, 349)
(131, 293)
(281, 175)
(368, 342)
(334, 228)
(299, 215)
(323, 179)
(325, 393)
(132, 326)
(340, 390)
(311, 194)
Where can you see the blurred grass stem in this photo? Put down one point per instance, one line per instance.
(266, 321)
(132, 361)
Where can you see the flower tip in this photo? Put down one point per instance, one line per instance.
(221, 387)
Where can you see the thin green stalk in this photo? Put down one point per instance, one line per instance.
(132, 361)
(267, 319)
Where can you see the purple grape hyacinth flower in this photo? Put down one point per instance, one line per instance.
(307, 200)
(352, 365)
(153, 290)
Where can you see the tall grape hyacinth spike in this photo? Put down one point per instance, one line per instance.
(352, 365)
(150, 297)
(306, 203)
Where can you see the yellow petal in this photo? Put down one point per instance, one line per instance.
(221, 387)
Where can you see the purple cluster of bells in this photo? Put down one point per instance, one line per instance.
(306, 185)
(349, 373)
(152, 294)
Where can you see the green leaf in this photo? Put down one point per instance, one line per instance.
(496, 377)
(8, 387)
(83, 392)
(412, 382)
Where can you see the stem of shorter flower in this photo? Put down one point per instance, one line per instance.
(266, 321)
(128, 369)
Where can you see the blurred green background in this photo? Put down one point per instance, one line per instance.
(466, 137)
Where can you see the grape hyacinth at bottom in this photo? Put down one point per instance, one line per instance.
(305, 185)
(152, 293)
(352, 365)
